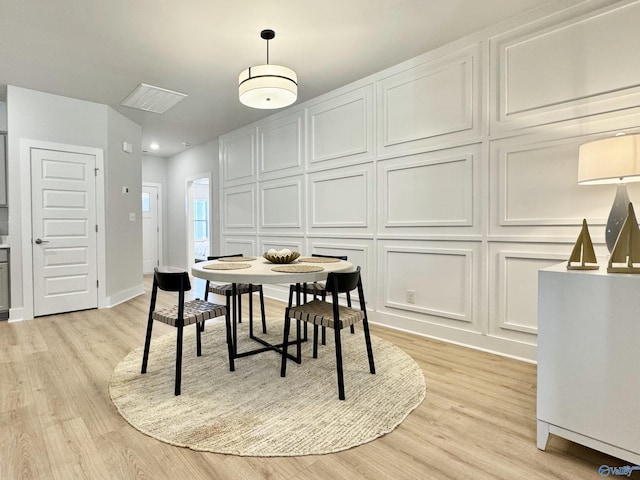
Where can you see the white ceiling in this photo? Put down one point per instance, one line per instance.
(100, 50)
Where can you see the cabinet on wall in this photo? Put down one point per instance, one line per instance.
(588, 359)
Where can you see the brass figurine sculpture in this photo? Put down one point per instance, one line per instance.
(583, 251)
(627, 248)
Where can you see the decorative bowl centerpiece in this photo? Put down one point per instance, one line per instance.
(281, 256)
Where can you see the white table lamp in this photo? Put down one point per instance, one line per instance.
(611, 160)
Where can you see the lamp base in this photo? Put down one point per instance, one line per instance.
(617, 216)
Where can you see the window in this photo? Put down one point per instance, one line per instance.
(146, 205)
(201, 220)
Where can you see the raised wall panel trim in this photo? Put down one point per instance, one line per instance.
(280, 145)
(536, 185)
(453, 170)
(238, 155)
(341, 127)
(278, 243)
(505, 323)
(431, 100)
(281, 204)
(237, 202)
(341, 198)
(465, 314)
(233, 245)
(588, 73)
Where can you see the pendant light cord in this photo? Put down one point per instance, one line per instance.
(267, 51)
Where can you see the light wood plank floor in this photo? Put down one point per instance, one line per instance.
(57, 420)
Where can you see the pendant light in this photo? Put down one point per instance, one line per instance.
(267, 86)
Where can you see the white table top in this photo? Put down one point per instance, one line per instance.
(260, 272)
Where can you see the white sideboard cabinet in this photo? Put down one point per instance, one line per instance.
(589, 359)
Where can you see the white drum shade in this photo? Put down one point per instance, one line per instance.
(609, 160)
(267, 86)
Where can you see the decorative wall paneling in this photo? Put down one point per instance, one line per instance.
(244, 245)
(342, 200)
(433, 282)
(340, 130)
(282, 205)
(281, 146)
(513, 272)
(238, 156)
(569, 65)
(239, 207)
(432, 105)
(436, 193)
(462, 205)
(535, 194)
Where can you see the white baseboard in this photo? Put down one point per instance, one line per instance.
(124, 295)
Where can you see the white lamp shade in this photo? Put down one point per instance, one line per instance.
(267, 86)
(610, 160)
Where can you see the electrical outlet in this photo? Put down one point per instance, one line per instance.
(411, 296)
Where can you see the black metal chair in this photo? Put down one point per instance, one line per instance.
(332, 315)
(318, 289)
(226, 290)
(181, 315)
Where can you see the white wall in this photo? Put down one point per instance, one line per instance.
(197, 161)
(154, 170)
(3, 116)
(123, 210)
(452, 174)
(44, 117)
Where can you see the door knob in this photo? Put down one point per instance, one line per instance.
(39, 241)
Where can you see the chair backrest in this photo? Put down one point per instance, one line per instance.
(339, 257)
(343, 282)
(216, 257)
(171, 279)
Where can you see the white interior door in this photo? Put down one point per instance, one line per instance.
(64, 239)
(150, 228)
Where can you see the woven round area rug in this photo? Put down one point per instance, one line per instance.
(255, 412)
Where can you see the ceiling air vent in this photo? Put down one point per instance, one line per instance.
(152, 99)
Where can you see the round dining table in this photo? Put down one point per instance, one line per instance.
(260, 271)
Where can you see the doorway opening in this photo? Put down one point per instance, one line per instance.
(151, 226)
(199, 219)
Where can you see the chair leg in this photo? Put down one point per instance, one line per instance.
(324, 329)
(367, 338)
(285, 341)
(353, 328)
(199, 339)
(264, 318)
(339, 363)
(147, 344)
(315, 341)
(179, 360)
(239, 298)
(250, 311)
(231, 300)
(227, 321)
(206, 299)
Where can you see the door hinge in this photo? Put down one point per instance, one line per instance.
(95, 171)
(97, 283)
(96, 228)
